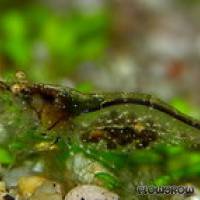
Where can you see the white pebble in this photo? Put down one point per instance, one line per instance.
(90, 192)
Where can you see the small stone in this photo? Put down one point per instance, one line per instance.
(2, 187)
(16, 88)
(11, 177)
(20, 75)
(49, 190)
(27, 185)
(90, 192)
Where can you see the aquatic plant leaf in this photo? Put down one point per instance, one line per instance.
(5, 157)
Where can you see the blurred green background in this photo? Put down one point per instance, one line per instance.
(96, 45)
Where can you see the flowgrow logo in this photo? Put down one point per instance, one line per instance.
(164, 190)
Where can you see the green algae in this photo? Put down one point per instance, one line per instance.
(160, 148)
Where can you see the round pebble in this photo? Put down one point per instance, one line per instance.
(90, 192)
